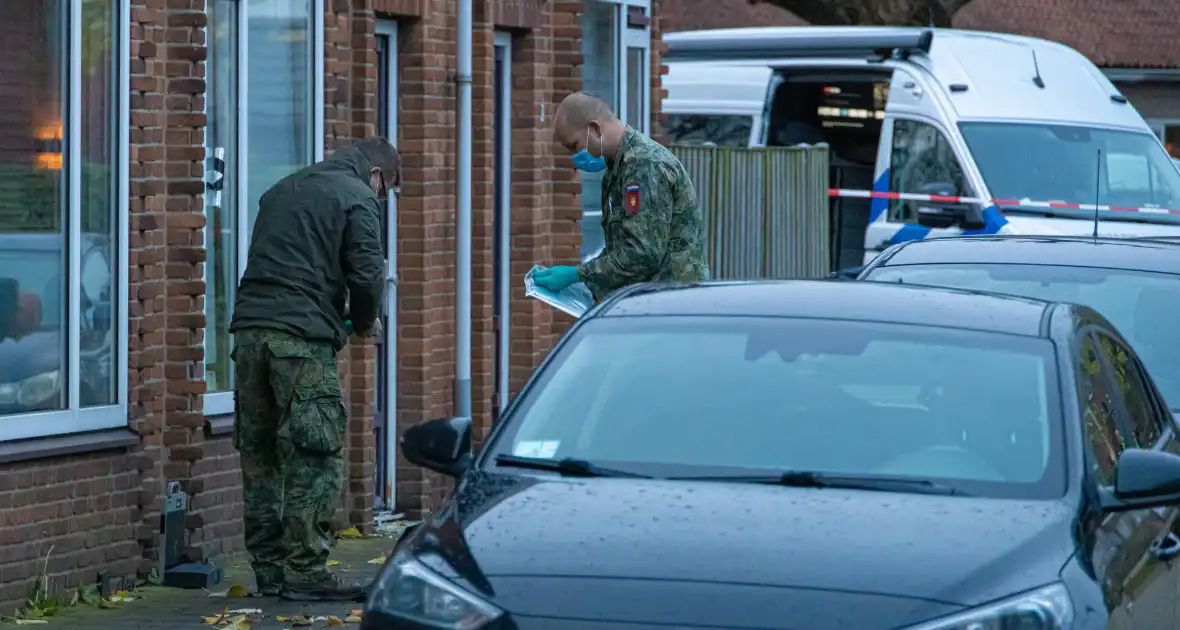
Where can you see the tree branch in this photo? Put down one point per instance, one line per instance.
(872, 12)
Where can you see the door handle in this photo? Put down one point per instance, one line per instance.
(1166, 547)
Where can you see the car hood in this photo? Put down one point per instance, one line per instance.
(648, 550)
(29, 356)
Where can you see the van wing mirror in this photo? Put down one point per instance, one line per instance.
(944, 214)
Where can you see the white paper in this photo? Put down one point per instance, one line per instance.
(575, 299)
(541, 449)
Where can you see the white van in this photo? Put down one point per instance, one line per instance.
(937, 132)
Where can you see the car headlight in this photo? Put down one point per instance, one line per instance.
(1047, 608)
(408, 590)
(32, 392)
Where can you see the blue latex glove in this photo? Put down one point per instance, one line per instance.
(556, 278)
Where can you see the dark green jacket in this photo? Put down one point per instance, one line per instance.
(317, 235)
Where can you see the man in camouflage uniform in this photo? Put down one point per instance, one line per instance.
(650, 215)
(316, 244)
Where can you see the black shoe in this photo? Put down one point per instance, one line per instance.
(270, 589)
(328, 589)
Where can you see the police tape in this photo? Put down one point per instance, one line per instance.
(1053, 205)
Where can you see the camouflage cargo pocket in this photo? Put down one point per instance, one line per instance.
(315, 422)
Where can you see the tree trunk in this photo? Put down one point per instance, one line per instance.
(873, 12)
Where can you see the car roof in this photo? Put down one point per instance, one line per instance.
(1161, 256)
(850, 301)
(716, 87)
(1073, 89)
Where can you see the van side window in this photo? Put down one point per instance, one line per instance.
(921, 162)
(720, 129)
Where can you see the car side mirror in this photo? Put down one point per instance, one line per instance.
(442, 445)
(1144, 479)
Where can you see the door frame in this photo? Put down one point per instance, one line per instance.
(503, 157)
(388, 29)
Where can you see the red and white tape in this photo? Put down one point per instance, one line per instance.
(869, 194)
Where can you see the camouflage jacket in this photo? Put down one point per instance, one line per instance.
(316, 241)
(651, 220)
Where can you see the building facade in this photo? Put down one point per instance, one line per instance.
(138, 137)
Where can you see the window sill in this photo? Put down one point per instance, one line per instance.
(219, 425)
(59, 445)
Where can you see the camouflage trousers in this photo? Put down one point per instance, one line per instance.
(289, 428)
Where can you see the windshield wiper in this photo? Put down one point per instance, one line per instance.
(568, 467)
(805, 479)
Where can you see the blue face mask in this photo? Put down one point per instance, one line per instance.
(585, 162)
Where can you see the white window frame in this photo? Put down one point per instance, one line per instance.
(503, 39)
(388, 494)
(75, 418)
(629, 38)
(222, 403)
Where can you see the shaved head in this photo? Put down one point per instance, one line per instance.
(586, 121)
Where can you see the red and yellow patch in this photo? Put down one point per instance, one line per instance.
(631, 199)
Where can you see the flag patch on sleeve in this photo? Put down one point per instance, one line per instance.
(631, 199)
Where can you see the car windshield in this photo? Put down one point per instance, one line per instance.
(1059, 163)
(1142, 305)
(680, 396)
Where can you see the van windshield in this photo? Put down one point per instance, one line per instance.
(1059, 163)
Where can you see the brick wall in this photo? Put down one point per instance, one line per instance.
(101, 511)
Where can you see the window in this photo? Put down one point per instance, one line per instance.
(615, 69)
(1139, 400)
(684, 395)
(1098, 405)
(1060, 163)
(723, 130)
(263, 125)
(923, 162)
(62, 212)
(1142, 305)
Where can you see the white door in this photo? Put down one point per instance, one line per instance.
(385, 419)
(502, 88)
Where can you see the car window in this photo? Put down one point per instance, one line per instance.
(723, 130)
(1141, 305)
(755, 393)
(921, 161)
(1098, 410)
(1142, 414)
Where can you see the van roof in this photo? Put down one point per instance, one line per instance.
(716, 87)
(997, 68)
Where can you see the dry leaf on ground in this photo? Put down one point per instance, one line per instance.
(351, 532)
(378, 560)
(335, 621)
(352, 619)
(333, 563)
(219, 619)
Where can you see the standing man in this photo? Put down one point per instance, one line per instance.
(316, 246)
(650, 215)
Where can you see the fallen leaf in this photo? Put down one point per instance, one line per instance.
(335, 621)
(351, 532)
(241, 622)
(352, 619)
(378, 560)
(237, 590)
(212, 621)
(333, 563)
(355, 612)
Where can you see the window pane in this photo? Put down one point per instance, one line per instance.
(1141, 410)
(636, 85)
(598, 77)
(922, 162)
(221, 275)
(1106, 443)
(1172, 140)
(279, 94)
(98, 360)
(33, 330)
(723, 130)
